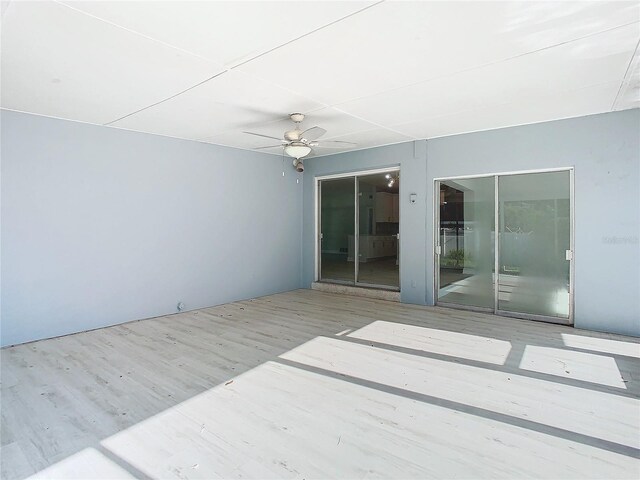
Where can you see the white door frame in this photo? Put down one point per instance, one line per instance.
(318, 220)
(495, 310)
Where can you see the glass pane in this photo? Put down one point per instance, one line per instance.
(534, 236)
(466, 260)
(337, 217)
(379, 224)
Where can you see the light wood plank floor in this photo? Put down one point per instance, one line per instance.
(308, 384)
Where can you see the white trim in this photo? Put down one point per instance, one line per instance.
(356, 230)
(371, 147)
(513, 172)
(316, 241)
(317, 206)
(436, 241)
(358, 173)
(496, 243)
(140, 132)
(436, 238)
(516, 125)
(572, 236)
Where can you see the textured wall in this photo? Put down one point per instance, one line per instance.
(102, 226)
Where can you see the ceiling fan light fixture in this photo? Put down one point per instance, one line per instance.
(297, 143)
(297, 151)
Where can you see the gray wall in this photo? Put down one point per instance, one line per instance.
(605, 151)
(102, 226)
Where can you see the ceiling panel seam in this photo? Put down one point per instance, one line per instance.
(627, 74)
(374, 123)
(168, 98)
(466, 70)
(307, 34)
(500, 104)
(225, 67)
(357, 132)
(534, 122)
(336, 105)
(213, 62)
(368, 148)
(623, 85)
(134, 131)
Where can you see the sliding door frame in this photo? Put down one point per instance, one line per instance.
(356, 234)
(495, 310)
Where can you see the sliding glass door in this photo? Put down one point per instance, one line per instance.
(534, 244)
(337, 227)
(359, 225)
(523, 271)
(466, 242)
(378, 228)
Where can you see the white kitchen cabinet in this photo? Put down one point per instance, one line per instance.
(387, 207)
(395, 210)
(373, 246)
(384, 207)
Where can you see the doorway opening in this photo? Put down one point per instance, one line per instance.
(526, 269)
(359, 229)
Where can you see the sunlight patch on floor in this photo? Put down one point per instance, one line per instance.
(280, 421)
(87, 464)
(588, 367)
(336, 406)
(603, 345)
(573, 408)
(463, 345)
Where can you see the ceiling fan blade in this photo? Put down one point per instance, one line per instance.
(261, 135)
(268, 146)
(339, 142)
(313, 133)
(336, 144)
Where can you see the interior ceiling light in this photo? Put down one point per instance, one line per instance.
(392, 179)
(297, 150)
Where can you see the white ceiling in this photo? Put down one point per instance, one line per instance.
(373, 73)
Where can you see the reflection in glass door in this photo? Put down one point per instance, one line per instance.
(535, 236)
(467, 227)
(337, 216)
(532, 252)
(378, 229)
(359, 229)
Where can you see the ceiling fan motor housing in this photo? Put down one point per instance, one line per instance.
(292, 135)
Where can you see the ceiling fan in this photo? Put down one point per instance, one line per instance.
(298, 143)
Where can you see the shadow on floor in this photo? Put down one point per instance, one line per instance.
(260, 387)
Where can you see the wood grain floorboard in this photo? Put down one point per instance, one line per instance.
(308, 384)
